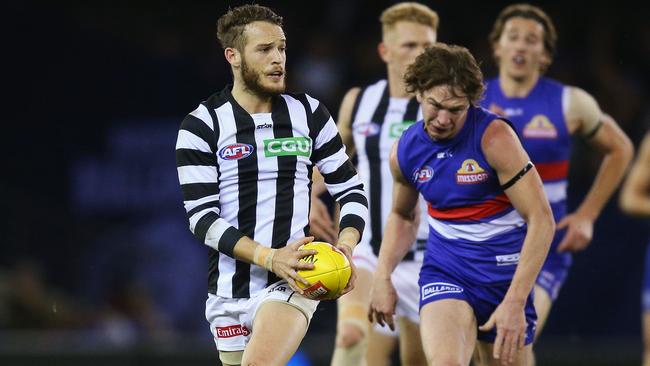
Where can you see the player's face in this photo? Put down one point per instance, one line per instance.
(403, 43)
(520, 49)
(444, 112)
(264, 58)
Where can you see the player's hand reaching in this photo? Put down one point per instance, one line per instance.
(510, 320)
(321, 224)
(580, 230)
(286, 262)
(383, 299)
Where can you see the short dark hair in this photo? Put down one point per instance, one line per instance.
(230, 26)
(443, 64)
(529, 12)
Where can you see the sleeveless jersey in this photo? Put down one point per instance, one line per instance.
(475, 233)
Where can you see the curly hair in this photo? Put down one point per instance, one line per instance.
(531, 12)
(230, 26)
(450, 65)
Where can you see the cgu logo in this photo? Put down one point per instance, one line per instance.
(423, 174)
(287, 146)
(235, 151)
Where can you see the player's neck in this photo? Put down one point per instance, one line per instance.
(397, 88)
(515, 87)
(250, 101)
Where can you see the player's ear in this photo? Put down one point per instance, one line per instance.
(419, 96)
(233, 56)
(383, 51)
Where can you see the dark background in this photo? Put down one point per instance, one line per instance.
(96, 260)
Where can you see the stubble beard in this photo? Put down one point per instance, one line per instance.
(252, 83)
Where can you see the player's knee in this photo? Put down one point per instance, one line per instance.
(350, 335)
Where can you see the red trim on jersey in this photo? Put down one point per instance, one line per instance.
(553, 171)
(474, 212)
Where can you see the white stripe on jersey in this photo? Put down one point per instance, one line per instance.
(188, 140)
(300, 219)
(203, 114)
(478, 232)
(189, 205)
(196, 174)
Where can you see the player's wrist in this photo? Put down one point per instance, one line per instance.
(263, 257)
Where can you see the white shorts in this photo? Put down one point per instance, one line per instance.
(231, 320)
(405, 279)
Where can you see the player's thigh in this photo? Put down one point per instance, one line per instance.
(484, 353)
(410, 343)
(380, 348)
(543, 304)
(448, 331)
(278, 329)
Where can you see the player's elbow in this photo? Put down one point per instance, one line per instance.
(542, 219)
(625, 150)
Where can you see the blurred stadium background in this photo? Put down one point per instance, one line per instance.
(96, 262)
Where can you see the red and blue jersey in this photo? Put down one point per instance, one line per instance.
(542, 128)
(475, 232)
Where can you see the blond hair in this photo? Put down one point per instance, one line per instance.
(408, 12)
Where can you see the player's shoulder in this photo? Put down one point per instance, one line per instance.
(218, 99)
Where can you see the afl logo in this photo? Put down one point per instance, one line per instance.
(423, 174)
(367, 129)
(235, 151)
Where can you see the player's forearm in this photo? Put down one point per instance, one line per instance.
(249, 251)
(318, 184)
(349, 236)
(538, 239)
(399, 235)
(610, 174)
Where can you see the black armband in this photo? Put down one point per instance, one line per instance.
(592, 133)
(517, 176)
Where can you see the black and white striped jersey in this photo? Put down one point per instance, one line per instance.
(377, 122)
(244, 174)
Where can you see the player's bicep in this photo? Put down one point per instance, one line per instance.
(504, 153)
(405, 196)
(583, 115)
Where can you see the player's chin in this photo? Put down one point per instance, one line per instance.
(275, 87)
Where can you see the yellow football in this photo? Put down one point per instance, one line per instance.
(331, 272)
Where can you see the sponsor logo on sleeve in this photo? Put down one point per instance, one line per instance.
(235, 151)
(232, 331)
(471, 173)
(439, 288)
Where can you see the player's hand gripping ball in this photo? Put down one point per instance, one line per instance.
(330, 275)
